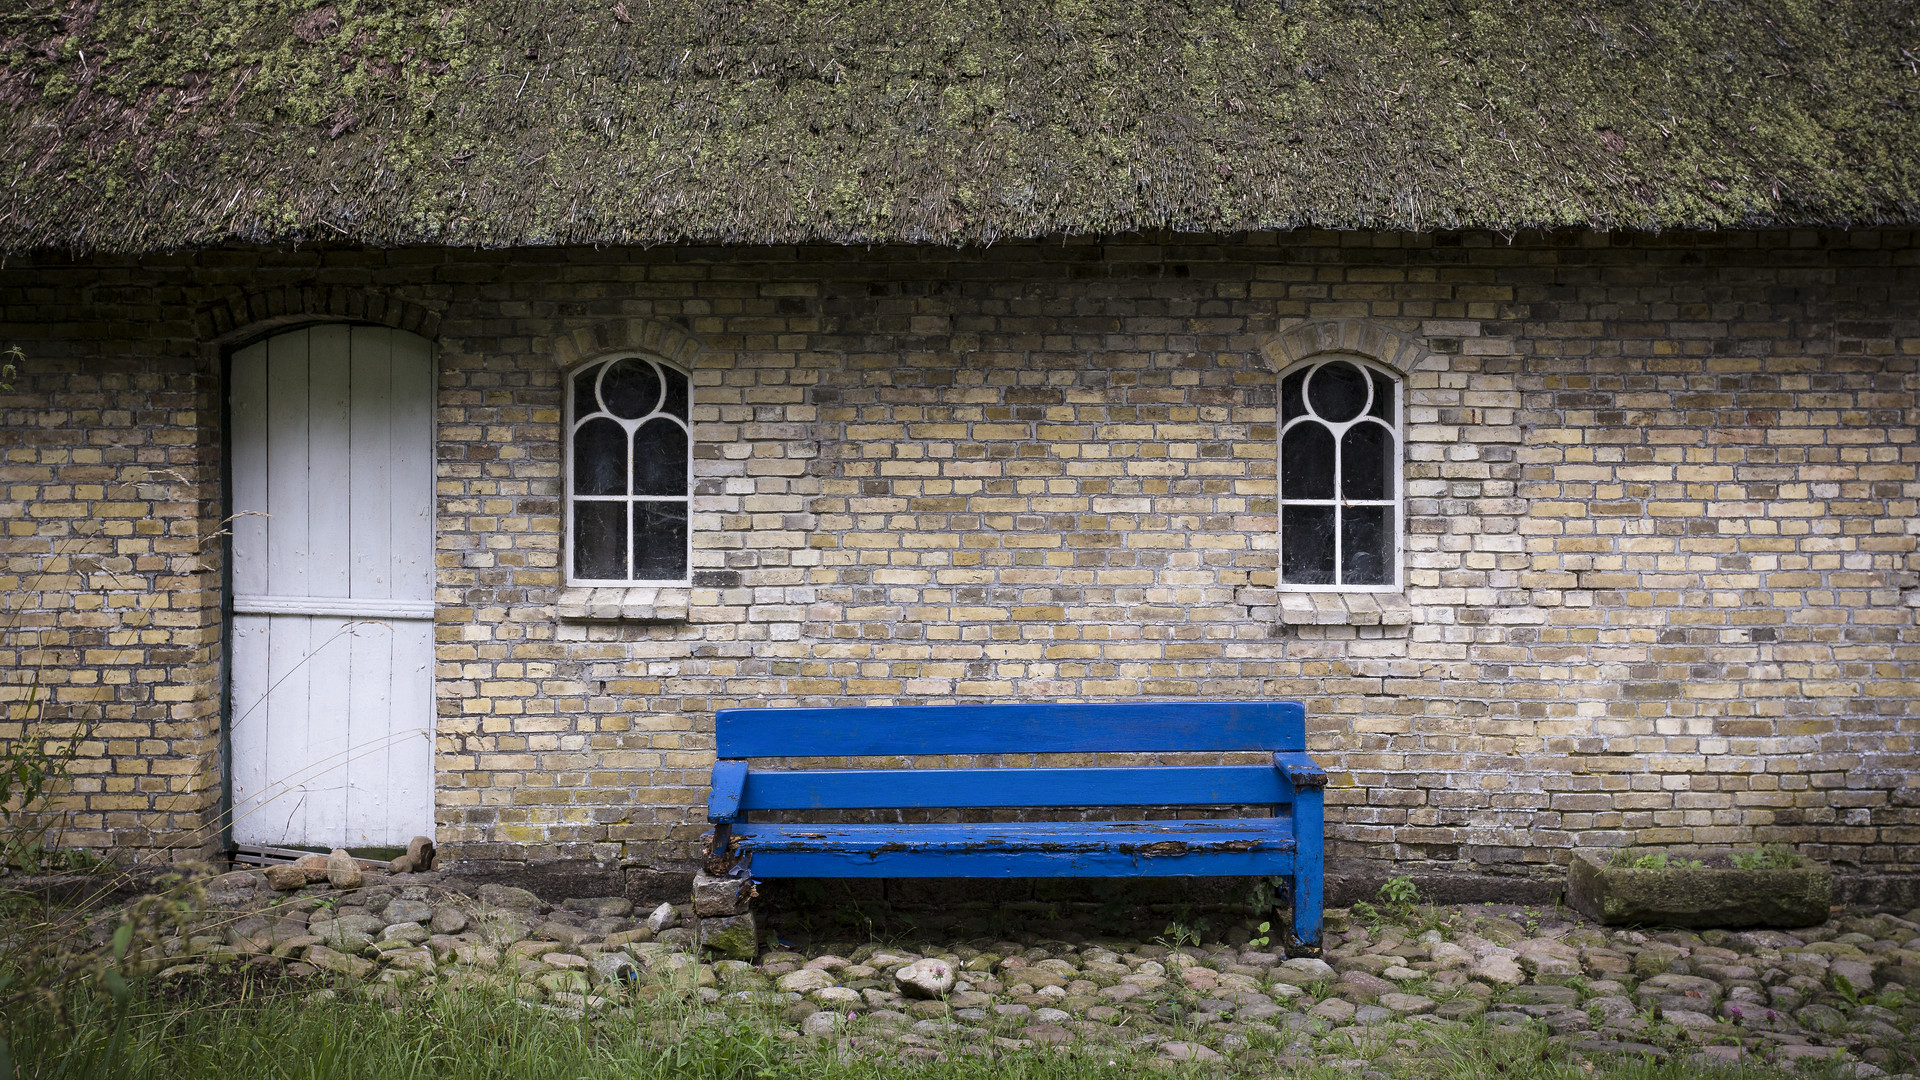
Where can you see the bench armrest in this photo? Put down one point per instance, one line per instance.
(1299, 772)
(729, 783)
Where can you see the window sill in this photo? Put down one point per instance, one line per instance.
(1388, 609)
(640, 603)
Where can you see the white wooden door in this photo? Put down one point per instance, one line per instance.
(332, 702)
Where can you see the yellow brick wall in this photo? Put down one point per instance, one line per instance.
(1661, 502)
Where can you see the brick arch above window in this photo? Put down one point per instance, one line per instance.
(662, 338)
(1396, 350)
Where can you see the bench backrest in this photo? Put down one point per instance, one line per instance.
(938, 730)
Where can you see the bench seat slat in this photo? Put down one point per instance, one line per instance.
(823, 789)
(1186, 848)
(930, 730)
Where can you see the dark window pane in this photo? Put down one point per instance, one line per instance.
(1337, 391)
(1306, 545)
(1306, 462)
(660, 458)
(1366, 543)
(1365, 451)
(600, 540)
(584, 403)
(676, 400)
(600, 458)
(1293, 401)
(1382, 406)
(631, 388)
(659, 541)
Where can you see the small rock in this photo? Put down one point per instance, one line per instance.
(664, 917)
(1368, 1015)
(419, 857)
(803, 981)
(1408, 1004)
(614, 967)
(343, 872)
(1309, 967)
(925, 979)
(1851, 976)
(1460, 1008)
(1253, 1014)
(1334, 1009)
(1684, 1018)
(839, 997)
(516, 900)
(1188, 1051)
(419, 961)
(1544, 995)
(315, 867)
(1497, 967)
(822, 1024)
(564, 961)
(409, 932)
(285, 878)
(1052, 1016)
(339, 963)
(448, 919)
(407, 911)
(600, 907)
(1358, 986)
(1823, 1018)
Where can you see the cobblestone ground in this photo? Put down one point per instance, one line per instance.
(1390, 982)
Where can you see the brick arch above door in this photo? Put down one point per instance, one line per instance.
(241, 317)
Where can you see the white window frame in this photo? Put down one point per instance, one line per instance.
(571, 427)
(1396, 423)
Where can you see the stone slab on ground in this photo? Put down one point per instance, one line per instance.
(1678, 896)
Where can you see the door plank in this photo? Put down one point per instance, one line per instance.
(370, 459)
(288, 552)
(249, 726)
(247, 409)
(329, 732)
(370, 691)
(330, 486)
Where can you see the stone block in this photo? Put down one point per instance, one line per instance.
(721, 895)
(733, 937)
(1677, 896)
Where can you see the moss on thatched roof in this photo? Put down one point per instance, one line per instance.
(154, 124)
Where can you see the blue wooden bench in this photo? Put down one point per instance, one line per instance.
(1287, 844)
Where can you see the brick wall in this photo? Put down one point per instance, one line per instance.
(1661, 503)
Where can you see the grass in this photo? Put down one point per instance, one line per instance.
(274, 1028)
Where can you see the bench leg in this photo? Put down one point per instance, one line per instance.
(1309, 871)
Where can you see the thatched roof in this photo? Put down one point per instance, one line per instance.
(154, 124)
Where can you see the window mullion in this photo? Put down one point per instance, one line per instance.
(1339, 510)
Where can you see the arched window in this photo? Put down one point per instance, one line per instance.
(629, 457)
(1339, 476)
